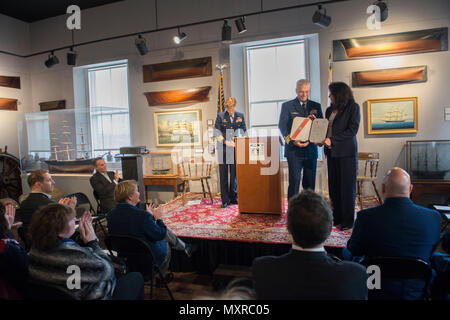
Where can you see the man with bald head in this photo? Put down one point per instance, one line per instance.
(398, 227)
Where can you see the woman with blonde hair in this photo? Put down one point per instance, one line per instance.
(229, 124)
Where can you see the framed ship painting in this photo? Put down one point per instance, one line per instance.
(394, 115)
(178, 128)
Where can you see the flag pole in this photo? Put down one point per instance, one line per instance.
(220, 108)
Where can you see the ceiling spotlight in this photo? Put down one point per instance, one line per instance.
(71, 57)
(51, 61)
(179, 37)
(383, 9)
(240, 24)
(226, 32)
(321, 19)
(141, 45)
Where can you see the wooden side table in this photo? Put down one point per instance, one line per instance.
(162, 180)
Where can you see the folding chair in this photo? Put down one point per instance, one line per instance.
(83, 202)
(139, 257)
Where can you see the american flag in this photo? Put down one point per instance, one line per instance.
(220, 96)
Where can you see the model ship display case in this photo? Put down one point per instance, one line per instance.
(428, 163)
(61, 141)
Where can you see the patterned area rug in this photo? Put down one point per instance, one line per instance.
(198, 218)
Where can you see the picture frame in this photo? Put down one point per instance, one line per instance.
(178, 128)
(392, 115)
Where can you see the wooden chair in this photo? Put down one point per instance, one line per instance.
(195, 169)
(370, 161)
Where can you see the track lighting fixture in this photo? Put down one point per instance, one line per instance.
(321, 19)
(141, 45)
(383, 9)
(71, 57)
(226, 32)
(240, 24)
(52, 60)
(179, 37)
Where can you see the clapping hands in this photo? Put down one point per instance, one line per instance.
(87, 233)
(71, 202)
(116, 176)
(155, 211)
(10, 213)
(229, 143)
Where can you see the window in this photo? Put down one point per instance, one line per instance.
(38, 133)
(272, 72)
(109, 108)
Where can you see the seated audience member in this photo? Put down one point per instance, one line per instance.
(103, 182)
(306, 271)
(53, 252)
(13, 259)
(398, 227)
(41, 184)
(440, 262)
(128, 219)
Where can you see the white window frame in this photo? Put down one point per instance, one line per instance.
(270, 43)
(103, 66)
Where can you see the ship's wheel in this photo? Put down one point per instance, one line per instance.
(10, 181)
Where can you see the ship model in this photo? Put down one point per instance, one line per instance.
(394, 115)
(61, 160)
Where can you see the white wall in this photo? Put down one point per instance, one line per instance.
(348, 20)
(14, 37)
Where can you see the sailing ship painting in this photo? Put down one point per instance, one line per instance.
(178, 128)
(392, 115)
(62, 159)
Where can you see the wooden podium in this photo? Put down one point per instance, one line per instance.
(258, 174)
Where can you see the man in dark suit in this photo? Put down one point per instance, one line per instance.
(229, 124)
(398, 227)
(306, 271)
(41, 184)
(103, 182)
(301, 156)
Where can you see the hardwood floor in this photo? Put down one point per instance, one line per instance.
(184, 286)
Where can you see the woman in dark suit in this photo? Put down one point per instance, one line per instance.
(341, 149)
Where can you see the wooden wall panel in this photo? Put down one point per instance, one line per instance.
(385, 76)
(8, 104)
(52, 105)
(10, 82)
(183, 69)
(157, 98)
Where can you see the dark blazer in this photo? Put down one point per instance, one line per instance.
(291, 109)
(104, 190)
(344, 130)
(397, 228)
(301, 275)
(226, 130)
(30, 205)
(130, 220)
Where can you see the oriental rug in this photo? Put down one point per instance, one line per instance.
(198, 218)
